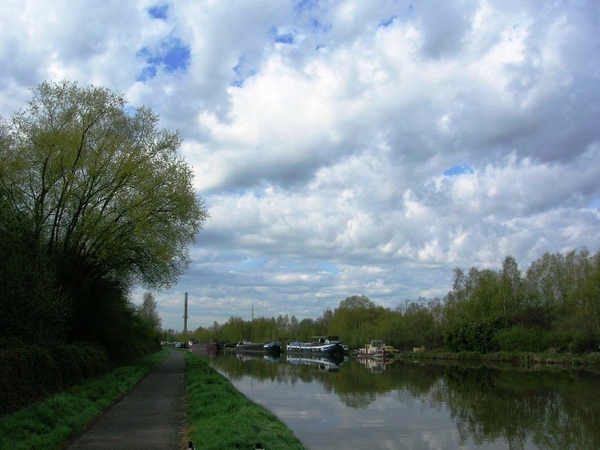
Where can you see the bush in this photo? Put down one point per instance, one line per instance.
(475, 336)
(558, 341)
(584, 343)
(521, 339)
(31, 372)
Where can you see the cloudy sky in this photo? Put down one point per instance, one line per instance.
(345, 147)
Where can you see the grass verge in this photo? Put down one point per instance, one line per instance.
(50, 423)
(222, 418)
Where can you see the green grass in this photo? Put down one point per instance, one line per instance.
(220, 417)
(50, 423)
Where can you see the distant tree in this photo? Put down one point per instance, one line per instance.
(420, 324)
(306, 329)
(355, 320)
(236, 329)
(323, 323)
(148, 310)
(356, 302)
(283, 325)
(294, 328)
(202, 334)
(169, 335)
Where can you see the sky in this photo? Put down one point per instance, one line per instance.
(344, 147)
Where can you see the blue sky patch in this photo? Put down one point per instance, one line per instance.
(328, 267)
(159, 12)
(251, 263)
(303, 5)
(283, 38)
(130, 110)
(172, 55)
(320, 27)
(387, 22)
(242, 70)
(460, 169)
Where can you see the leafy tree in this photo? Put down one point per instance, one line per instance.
(294, 328)
(263, 329)
(394, 329)
(283, 325)
(420, 324)
(236, 329)
(476, 335)
(323, 323)
(105, 199)
(31, 306)
(355, 302)
(148, 310)
(354, 320)
(104, 188)
(510, 287)
(306, 329)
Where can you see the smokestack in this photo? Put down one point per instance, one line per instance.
(185, 316)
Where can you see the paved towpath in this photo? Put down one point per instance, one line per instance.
(151, 416)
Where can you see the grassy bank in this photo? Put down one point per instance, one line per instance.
(220, 417)
(50, 423)
(525, 358)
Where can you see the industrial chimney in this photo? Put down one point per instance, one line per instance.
(185, 316)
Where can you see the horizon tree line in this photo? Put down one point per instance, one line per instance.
(552, 306)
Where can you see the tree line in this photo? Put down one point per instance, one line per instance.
(553, 306)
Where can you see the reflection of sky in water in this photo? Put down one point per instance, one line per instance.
(392, 420)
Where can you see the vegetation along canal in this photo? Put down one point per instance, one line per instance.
(347, 404)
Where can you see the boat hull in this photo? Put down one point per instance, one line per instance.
(204, 349)
(321, 345)
(319, 349)
(255, 347)
(373, 350)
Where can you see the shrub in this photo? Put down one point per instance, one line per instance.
(475, 335)
(521, 339)
(31, 372)
(584, 343)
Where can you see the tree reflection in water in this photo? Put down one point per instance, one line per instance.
(549, 407)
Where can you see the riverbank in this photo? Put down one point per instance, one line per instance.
(218, 416)
(524, 358)
(221, 417)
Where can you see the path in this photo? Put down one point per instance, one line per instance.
(151, 416)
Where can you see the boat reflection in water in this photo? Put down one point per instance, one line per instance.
(424, 405)
(323, 363)
(246, 357)
(375, 365)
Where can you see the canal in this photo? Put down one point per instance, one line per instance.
(347, 404)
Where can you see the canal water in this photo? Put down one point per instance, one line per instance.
(347, 404)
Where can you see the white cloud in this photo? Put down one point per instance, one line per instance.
(345, 148)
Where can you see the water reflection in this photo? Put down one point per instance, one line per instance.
(375, 365)
(424, 405)
(329, 363)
